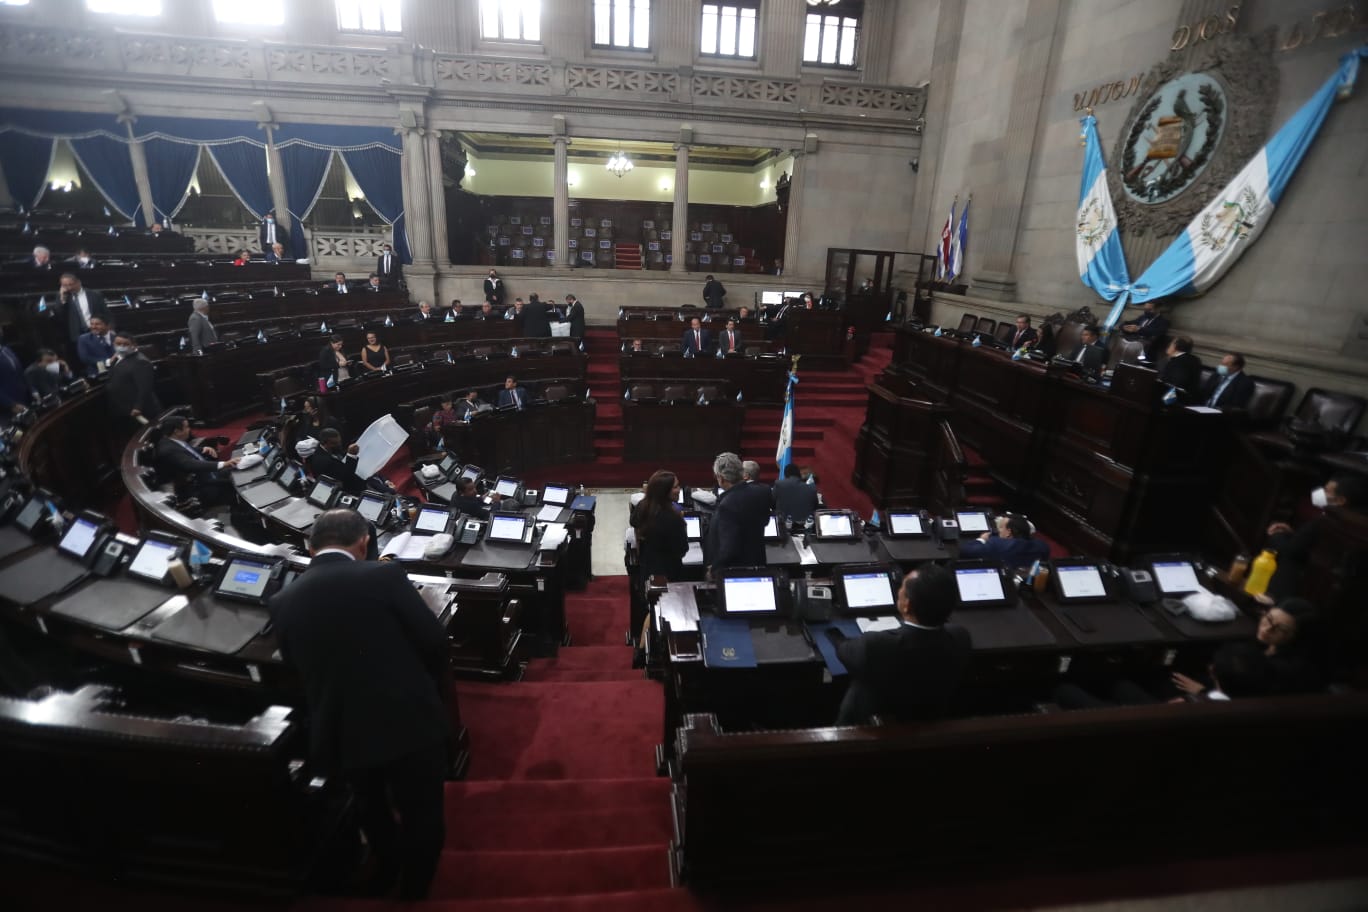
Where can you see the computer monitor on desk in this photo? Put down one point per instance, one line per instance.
(835, 525)
(973, 522)
(1078, 581)
(752, 593)
(866, 588)
(982, 584)
(248, 578)
(151, 561)
(1175, 575)
(693, 527)
(508, 528)
(906, 525)
(82, 537)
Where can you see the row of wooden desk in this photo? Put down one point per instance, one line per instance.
(819, 335)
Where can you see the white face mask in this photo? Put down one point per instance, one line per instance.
(53, 368)
(124, 349)
(1319, 499)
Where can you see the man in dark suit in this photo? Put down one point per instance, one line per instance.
(339, 463)
(82, 260)
(200, 329)
(1231, 388)
(1182, 370)
(1150, 327)
(271, 233)
(276, 253)
(388, 267)
(471, 405)
(713, 293)
(513, 395)
(425, 314)
(131, 390)
(373, 664)
(373, 284)
(469, 501)
(696, 340)
(494, 289)
(1024, 334)
(794, 498)
(338, 285)
(80, 305)
(48, 374)
(536, 321)
(1090, 352)
(730, 342)
(95, 347)
(41, 261)
(1013, 544)
(14, 391)
(736, 535)
(574, 312)
(912, 672)
(1345, 491)
(195, 473)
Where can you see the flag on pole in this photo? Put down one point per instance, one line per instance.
(783, 453)
(1234, 219)
(959, 242)
(1097, 244)
(943, 252)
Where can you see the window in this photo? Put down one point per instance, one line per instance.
(510, 20)
(126, 7)
(832, 33)
(14, 2)
(622, 24)
(729, 29)
(250, 12)
(369, 16)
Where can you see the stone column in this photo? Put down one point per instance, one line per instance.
(437, 188)
(924, 231)
(138, 156)
(876, 32)
(781, 37)
(994, 278)
(280, 200)
(680, 228)
(793, 218)
(417, 211)
(6, 201)
(560, 205)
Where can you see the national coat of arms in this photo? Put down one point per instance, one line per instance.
(1174, 138)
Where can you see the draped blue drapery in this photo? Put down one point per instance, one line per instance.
(26, 160)
(170, 169)
(243, 165)
(378, 173)
(305, 169)
(106, 161)
(26, 146)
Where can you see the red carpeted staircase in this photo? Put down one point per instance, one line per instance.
(627, 256)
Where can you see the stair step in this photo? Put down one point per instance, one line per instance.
(477, 874)
(547, 675)
(534, 797)
(587, 658)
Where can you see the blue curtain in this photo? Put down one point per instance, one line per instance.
(305, 169)
(26, 160)
(243, 165)
(170, 168)
(106, 161)
(378, 172)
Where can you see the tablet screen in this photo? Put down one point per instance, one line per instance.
(972, 522)
(506, 487)
(507, 528)
(79, 538)
(979, 584)
(555, 494)
(470, 473)
(905, 524)
(245, 578)
(834, 524)
(29, 517)
(868, 590)
(152, 558)
(1080, 582)
(1176, 577)
(322, 492)
(749, 594)
(432, 519)
(371, 507)
(693, 528)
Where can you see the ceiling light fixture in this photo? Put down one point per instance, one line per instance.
(619, 164)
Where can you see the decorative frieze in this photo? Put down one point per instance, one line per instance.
(363, 65)
(621, 79)
(502, 72)
(741, 88)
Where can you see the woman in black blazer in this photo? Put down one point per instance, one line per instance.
(661, 538)
(332, 363)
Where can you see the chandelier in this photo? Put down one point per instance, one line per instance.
(619, 164)
(822, 2)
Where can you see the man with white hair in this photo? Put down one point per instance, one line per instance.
(736, 536)
(41, 259)
(202, 332)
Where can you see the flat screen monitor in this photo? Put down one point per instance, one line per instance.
(372, 507)
(154, 556)
(507, 487)
(1175, 577)
(693, 527)
(1079, 582)
(771, 298)
(470, 473)
(905, 524)
(32, 513)
(448, 465)
(973, 522)
(507, 527)
(555, 494)
(834, 525)
(433, 520)
(866, 590)
(245, 579)
(322, 492)
(79, 538)
(980, 586)
(753, 595)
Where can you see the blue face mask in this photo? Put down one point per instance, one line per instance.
(1222, 370)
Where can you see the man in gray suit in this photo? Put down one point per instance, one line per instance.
(202, 332)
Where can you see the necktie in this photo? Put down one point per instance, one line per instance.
(386, 269)
(697, 342)
(731, 342)
(516, 400)
(270, 232)
(341, 289)
(1216, 395)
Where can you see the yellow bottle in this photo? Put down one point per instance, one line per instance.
(1261, 572)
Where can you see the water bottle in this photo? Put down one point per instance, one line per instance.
(1261, 572)
(978, 341)
(184, 343)
(1171, 396)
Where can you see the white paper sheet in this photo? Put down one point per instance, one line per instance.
(406, 546)
(869, 625)
(378, 444)
(681, 613)
(549, 513)
(553, 537)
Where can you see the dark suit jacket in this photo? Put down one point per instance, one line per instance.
(1236, 395)
(795, 499)
(661, 545)
(722, 342)
(1013, 552)
(75, 326)
(471, 506)
(281, 235)
(736, 536)
(91, 348)
(341, 468)
(174, 460)
(575, 314)
(494, 291)
(395, 272)
(536, 322)
(1100, 355)
(13, 386)
(327, 362)
(43, 383)
(686, 343)
(372, 660)
(905, 674)
(506, 397)
(132, 385)
(1026, 337)
(714, 294)
(1184, 371)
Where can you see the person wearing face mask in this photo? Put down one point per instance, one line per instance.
(47, 375)
(388, 267)
(1294, 547)
(494, 289)
(271, 233)
(1231, 388)
(82, 260)
(132, 387)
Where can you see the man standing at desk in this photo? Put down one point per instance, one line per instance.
(372, 660)
(131, 390)
(731, 342)
(80, 304)
(714, 295)
(912, 672)
(736, 535)
(696, 340)
(201, 330)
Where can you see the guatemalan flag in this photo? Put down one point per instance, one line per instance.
(783, 454)
(943, 252)
(959, 243)
(1235, 218)
(1101, 262)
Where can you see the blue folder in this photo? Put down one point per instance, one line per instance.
(727, 642)
(584, 503)
(828, 648)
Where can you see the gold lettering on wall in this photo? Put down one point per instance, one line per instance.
(1108, 91)
(1205, 30)
(1329, 23)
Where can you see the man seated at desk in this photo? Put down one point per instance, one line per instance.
(912, 672)
(330, 459)
(512, 395)
(744, 315)
(47, 375)
(730, 342)
(338, 285)
(1344, 491)
(696, 340)
(1090, 352)
(458, 311)
(1024, 335)
(469, 501)
(196, 473)
(1182, 370)
(472, 405)
(1231, 388)
(1012, 545)
(425, 314)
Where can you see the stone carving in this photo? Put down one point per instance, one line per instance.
(874, 98)
(739, 88)
(226, 243)
(1214, 136)
(463, 69)
(349, 246)
(649, 82)
(60, 44)
(357, 65)
(148, 51)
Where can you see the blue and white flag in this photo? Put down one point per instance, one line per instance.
(1234, 219)
(1101, 262)
(783, 453)
(959, 242)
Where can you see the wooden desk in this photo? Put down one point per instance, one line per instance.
(760, 380)
(677, 434)
(515, 442)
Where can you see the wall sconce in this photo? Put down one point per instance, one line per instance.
(764, 184)
(916, 165)
(469, 171)
(665, 186)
